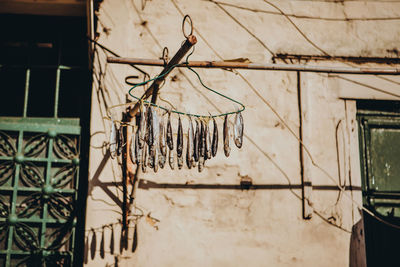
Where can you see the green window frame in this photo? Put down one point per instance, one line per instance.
(379, 139)
(380, 161)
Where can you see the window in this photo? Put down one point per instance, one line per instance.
(379, 131)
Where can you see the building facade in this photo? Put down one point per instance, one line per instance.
(314, 184)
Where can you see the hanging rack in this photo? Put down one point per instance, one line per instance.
(190, 41)
(158, 81)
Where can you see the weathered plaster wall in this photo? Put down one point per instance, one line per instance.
(230, 227)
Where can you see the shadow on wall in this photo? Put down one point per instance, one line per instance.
(357, 245)
(102, 241)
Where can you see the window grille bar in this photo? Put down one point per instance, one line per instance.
(14, 200)
(57, 92)
(47, 183)
(54, 160)
(27, 77)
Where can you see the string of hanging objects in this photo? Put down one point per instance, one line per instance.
(152, 141)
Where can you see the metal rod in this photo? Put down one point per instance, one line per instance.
(57, 92)
(154, 87)
(259, 66)
(27, 77)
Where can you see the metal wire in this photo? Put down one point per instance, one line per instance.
(180, 112)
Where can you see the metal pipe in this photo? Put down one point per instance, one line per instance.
(57, 92)
(259, 66)
(27, 80)
(154, 87)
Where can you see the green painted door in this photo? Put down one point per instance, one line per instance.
(43, 113)
(379, 129)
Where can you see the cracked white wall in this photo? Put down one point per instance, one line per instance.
(231, 227)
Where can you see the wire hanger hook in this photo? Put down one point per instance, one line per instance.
(187, 19)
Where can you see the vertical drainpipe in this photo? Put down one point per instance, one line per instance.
(304, 171)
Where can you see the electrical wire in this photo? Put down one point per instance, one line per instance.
(365, 85)
(297, 28)
(307, 150)
(342, 1)
(302, 16)
(101, 90)
(361, 207)
(315, 45)
(248, 137)
(246, 29)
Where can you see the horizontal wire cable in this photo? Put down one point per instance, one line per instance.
(255, 10)
(297, 28)
(306, 148)
(279, 117)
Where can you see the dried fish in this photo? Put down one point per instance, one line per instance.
(171, 159)
(144, 157)
(180, 162)
(196, 142)
(132, 147)
(150, 157)
(121, 141)
(170, 139)
(214, 146)
(207, 143)
(227, 149)
(193, 163)
(149, 126)
(179, 140)
(113, 140)
(138, 149)
(190, 144)
(238, 130)
(188, 162)
(142, 126)
(155, 161)
(162, 144)
(202, 140)
(201, 164)
(161, 160)
(155, 147)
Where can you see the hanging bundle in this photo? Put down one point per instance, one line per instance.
(152, 141)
